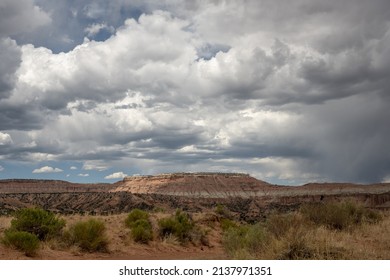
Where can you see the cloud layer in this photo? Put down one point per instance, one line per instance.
(289, 92)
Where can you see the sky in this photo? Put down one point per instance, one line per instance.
(288, 91)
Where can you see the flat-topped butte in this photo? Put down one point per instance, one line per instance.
(185, 174)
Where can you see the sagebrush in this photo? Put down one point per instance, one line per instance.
(135, 215)
(22, 240)
(339, 215)
(180, 225)
(89, 235)
(42, 223)
(304, 234)
(141, 231)
(140, 225)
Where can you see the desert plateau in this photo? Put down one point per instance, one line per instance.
(202, 216)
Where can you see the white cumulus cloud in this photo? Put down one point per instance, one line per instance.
(47, 169)
(5, 139)
(83, 175)
(116, 175)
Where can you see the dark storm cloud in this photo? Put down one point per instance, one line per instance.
(175, 140)
(10, 57)
(361, 22)
(351, 138)
(285, 150)
(94, 155)
(20, 117)
(20, 17)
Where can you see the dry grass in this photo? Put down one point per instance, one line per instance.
(5, 222)
(290, 236)
(121, 245)
(285, 238)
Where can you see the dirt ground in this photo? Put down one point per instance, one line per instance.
(121, 247)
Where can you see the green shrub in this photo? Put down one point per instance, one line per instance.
(141, 231)
(280, 224)
(179, 225)
(37, 221)
(256, 239)
(233, 240)
(89, 235)
(141, 228)
(332, 215)
(227, 223)
(339, 215)
(135, 215)
(245, 240)
(223, 211)
(359, 214)
(21, 240)
(372, 216)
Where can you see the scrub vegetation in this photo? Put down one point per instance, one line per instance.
(332, 230)
(315, 231)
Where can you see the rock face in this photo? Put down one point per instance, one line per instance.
(240, 193)
(206, 185)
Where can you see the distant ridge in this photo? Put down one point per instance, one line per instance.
(241, 193)
(48, 186)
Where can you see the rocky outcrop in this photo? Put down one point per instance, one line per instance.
(245, 196)
(210, 185)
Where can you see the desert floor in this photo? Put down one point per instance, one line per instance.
(368, 241)
(120, 244)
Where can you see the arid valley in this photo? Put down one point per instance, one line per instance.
(216, 206)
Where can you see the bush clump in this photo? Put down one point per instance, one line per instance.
(295, 246)
(223, 211)
(135, 215)
(227, 224)
(37, 221)
(22, 240)
(180, 225)
(280, 224)
(89, 235)
(141, 231)
(260, 242)
(141, 228)
(339, 215)
(246, 241)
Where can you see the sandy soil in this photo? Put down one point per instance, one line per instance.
(121, 246)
